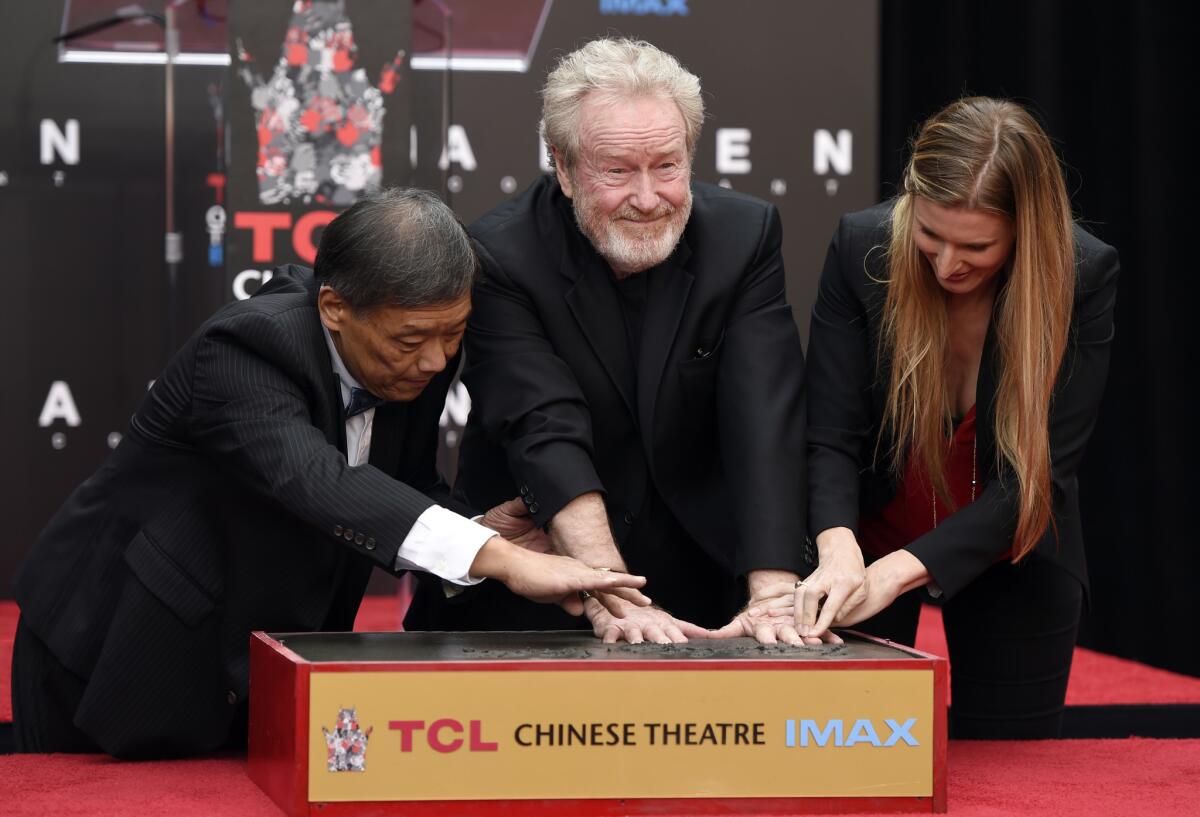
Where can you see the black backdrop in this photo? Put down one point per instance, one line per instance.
(1111, 83)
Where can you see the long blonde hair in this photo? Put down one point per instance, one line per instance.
(991, 155)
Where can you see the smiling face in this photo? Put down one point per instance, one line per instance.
(965, 247)
(393, 352)
(630, 185)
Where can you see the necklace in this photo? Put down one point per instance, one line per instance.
(974, 455)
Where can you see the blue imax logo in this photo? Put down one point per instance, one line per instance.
(863, 731)
(663, 8)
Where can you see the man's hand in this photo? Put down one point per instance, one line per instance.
(625, 622)
(546, 578)
(767, 617)
(580, 529)
(511, 520)
(841, 580)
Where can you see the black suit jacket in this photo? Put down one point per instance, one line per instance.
(227, 507)
(713, 411)
(847, 392)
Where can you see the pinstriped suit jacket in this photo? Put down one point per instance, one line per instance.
(228, 507)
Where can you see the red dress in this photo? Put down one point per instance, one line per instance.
(913, 512)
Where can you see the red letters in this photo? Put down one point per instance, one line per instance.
(406, 732)
(263, 225)
(435, 731)
(302, 241)
(433, 736)
(478, 744)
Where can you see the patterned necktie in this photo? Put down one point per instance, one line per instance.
(360, 401)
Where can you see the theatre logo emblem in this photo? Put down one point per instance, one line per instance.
(319, 119)
(346, 744)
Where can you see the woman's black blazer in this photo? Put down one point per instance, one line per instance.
(849, 474)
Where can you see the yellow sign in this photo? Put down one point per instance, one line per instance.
(495, 735)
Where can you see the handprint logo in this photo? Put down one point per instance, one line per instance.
(346, 743)
(319, 119)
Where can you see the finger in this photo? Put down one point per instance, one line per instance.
(612, 603)
(830, 637)
(765, 634)
(674, 633)
(572, 603)
(513, 507)
(634, 635)
(691, 630)
(789, 611)
(611, 634)
(833, 605)
(733, 629)
(656, 635)
(788, 635)
(808, 600)
(631, 595)
(606, 578)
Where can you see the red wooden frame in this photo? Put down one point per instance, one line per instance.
(279, 728)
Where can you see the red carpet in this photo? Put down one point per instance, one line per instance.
(1083, 778)
(1096, 679)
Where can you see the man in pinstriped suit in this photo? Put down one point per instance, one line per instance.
(287, 449)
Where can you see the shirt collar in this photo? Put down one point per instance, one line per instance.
(345, 379)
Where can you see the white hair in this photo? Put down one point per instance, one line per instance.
(620, 69)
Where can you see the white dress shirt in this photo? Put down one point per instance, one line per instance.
(441, 542)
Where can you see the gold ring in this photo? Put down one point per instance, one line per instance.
(800, 583)
(585, 595)
(603, 569)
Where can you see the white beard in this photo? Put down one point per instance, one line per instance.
(629, 246)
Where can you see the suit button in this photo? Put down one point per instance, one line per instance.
(370, 543)
(533, 507)
(358, 539)
(337, 530)
(348, 534)
(629, 517)
(231, 696)
(524, 490)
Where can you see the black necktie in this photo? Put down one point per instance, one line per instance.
(360, 401)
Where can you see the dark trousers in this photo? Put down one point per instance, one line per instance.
(1011, 636)
(45, 695)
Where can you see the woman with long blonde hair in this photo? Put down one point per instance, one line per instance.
(958, 352)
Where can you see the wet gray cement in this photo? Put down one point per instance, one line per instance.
(561, 646)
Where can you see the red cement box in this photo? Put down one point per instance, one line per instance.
(560, 724)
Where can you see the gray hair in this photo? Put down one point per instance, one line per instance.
(618, 68)
(399, 247)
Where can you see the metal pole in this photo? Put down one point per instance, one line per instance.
(173, 244)
(447, 78)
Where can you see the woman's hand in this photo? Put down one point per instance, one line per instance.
(841, 581)
(887, 579)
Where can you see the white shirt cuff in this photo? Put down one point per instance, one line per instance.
(444, 544)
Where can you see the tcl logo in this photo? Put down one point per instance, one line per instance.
(443, 735)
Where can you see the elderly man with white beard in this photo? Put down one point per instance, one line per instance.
(635, 372)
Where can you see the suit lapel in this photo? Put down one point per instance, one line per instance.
(331, 390)
(666, 298)
(593, 303)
